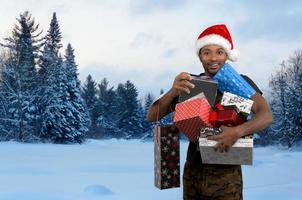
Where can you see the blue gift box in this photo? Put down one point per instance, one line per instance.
(230, 81)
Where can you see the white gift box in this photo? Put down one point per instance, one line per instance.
(243, 105)
(241, 153)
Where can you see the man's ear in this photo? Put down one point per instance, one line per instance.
(200, 59)
(199, 56)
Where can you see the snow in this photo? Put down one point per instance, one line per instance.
(123, 169)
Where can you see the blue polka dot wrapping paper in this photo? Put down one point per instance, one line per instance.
(229, 80)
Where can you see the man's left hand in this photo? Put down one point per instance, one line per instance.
(226, 139)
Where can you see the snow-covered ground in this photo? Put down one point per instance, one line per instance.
(123, 170)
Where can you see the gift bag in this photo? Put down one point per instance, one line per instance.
(166, 156)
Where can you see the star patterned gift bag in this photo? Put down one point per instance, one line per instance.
(166, 157)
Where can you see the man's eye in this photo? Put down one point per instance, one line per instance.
(205, 53)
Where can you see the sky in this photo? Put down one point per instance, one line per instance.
(149, 42)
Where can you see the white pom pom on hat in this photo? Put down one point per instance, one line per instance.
(217, 35)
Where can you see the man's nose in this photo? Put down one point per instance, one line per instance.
(213, 57)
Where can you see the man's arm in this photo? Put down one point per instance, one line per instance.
(181, 83)
(165, 107)
(261, 119)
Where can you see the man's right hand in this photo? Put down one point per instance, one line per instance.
(181, 83)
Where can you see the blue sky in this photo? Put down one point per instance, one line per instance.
(150, 41)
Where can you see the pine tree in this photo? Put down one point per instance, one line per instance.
(57, 114)
(147, 126)
(279, 106)
(128, 121)
(51, 76)
(89, 94)
(61, 121)
(7, 129)
(286, 101)
(106, 108)
(50, 54)
(78, 106)
(19, 77)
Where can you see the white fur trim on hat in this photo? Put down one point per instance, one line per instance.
(214, 39)
(233, 55)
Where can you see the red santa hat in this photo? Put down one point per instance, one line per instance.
(217, 35)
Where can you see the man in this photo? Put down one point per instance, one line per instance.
(214, 47)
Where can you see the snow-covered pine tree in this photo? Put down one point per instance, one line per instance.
(50, 53)
(9, 122)
(294, 98)
(59, 124)
(58, 115)
(286, 101)
(295, 70)
(147, 126)
(121, 111)
(6, 131)
(50, 67)
(19, 78)
(78, 106)
(106, 109)
(278, 105)
(127, 109)
(89, 94)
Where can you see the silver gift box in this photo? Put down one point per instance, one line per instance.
(243, 105)
(241, 153)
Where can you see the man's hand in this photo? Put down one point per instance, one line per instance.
(226, 139)
(181, 83)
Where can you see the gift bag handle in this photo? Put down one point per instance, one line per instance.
(157, 123)
(157, 113)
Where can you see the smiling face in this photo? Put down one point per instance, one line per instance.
(212, 58)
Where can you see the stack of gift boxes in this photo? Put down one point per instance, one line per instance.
(197, 115)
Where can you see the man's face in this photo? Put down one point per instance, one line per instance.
(212, 58)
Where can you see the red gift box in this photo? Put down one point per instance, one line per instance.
(230, 116)
(191, 115)
(213, 118)
(226, 115)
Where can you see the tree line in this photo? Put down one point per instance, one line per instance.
(285, 99)
(42, 99)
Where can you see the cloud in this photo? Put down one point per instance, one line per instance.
(143, 38)
(169, 53)
(143, 7)
(151, 41)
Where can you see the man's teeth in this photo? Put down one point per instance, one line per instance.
(214, 65)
